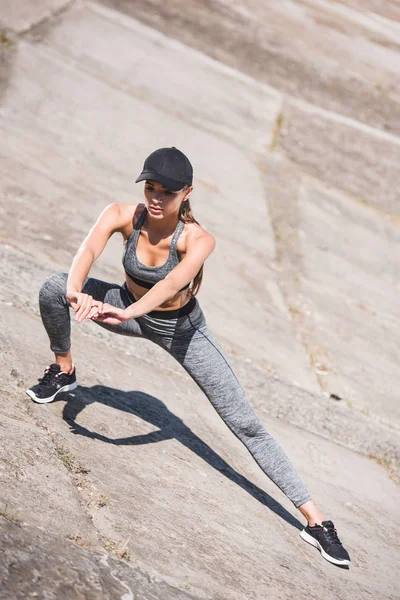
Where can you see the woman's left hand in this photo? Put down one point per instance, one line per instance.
(111, 315)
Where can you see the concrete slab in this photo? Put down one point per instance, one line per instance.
(327, 242)
(341, 58)
(354, 325)
(350, 157)
(165, 74)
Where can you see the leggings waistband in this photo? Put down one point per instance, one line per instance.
(165, 314)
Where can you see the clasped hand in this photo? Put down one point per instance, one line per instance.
(86, 307)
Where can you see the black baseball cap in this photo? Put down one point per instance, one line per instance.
(168, 166)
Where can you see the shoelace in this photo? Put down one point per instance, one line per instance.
(332, 535)
(49, 375)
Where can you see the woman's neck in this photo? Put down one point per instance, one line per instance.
(162, 227)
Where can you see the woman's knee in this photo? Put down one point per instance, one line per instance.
(54, 287)
(251, 430)
(244, 423)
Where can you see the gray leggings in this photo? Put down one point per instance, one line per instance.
(188, 340)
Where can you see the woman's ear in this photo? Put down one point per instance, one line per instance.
(188, 192)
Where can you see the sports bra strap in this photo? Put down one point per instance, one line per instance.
(175, 237)
(141, 219)
(138, 227)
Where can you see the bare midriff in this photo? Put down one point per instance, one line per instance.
(179, 300)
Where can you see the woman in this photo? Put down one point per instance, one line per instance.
(164, 253)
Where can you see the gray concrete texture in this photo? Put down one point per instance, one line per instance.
(290, 115)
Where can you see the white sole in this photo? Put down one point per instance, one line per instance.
(308, 538)
(65, 388)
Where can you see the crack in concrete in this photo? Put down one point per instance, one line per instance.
(36, 31)
(282, 205)
(8, 49)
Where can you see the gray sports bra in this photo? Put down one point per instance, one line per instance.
(144, 275)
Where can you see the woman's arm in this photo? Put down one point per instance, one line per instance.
(199, 245)
(113, 218)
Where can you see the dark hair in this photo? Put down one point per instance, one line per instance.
(186, 215)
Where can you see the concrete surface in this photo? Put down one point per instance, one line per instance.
(71, 572)
(152, 469)
(295, 157)
(340, 56)
(21, 15)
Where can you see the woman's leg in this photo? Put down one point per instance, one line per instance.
(55, 312)
(196, 350)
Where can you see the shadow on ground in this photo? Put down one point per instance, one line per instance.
(154, 411)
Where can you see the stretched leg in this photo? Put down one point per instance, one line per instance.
(195, 348)
(55, 310)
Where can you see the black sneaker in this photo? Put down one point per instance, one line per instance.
(325, 538)
(52, 383)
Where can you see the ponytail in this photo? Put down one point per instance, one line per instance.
(186, 216)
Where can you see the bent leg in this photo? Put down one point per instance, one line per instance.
(55, 309)
(201, 357)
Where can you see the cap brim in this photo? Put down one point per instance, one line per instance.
(170, 184)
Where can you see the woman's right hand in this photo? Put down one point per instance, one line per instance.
(84, 306)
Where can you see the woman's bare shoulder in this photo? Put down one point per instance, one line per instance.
(195, 234)
(127, 210)
(127, 215)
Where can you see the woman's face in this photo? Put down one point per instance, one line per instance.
(161, 202)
